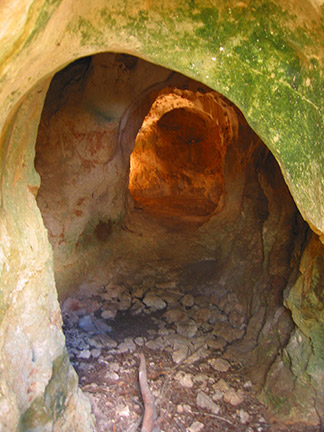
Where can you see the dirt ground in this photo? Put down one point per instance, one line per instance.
(109, 377)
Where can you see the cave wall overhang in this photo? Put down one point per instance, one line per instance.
(266, 57)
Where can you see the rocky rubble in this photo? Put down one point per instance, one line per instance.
(183, 336)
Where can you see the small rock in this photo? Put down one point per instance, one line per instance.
(187, 328)
(112, 375)
(138, 292)
(202, 301)
(95, 352)
(221, 365)
(122, 348)
(221, 385)
(216, 343)
(84, 354)
(109, 314)
(218, 395)
(244, 416)
(226, 331)
(125, 301)
(153, 301)
(247, 385)
(123, 411)
(152, 332)
(188, 300)
(202, 315)
(196, 427)
(180, 354)
(179, 409)
(155, 344)
(130, 344)
(175, 315)
(233, 397)
(185, 379)
(140, 341)
(102, 341)
(201, 378)
(137, 307)
(114, 366)
(86, 324)
(102, 327)
(187, 408)
(236, 319)
(204, 401)
(170, 298)
(163, 331)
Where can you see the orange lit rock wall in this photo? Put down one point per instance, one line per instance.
(178, 160)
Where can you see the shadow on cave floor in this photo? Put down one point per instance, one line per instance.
(182, 321)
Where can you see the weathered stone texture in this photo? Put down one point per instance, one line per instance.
(265, 56)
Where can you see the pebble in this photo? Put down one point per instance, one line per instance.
(153, 301)
(179, 409)
(138, 292)
(196, 427)
(122, 348)
(130, 344)
(244, 416)
(140, 341)
(137, 307)
(96, 352)
(86, 324)
(233, 397)
(84, 354)
(217, 343)
(123, 411)
(188, 300)
(221, 385)
(125, 301)
(217, 395)
(187, 328)
(109, 314)
(155, 344)
(175, 315)
(101, 326)
(185, 379)
(221, 365)
(180, 354)
(113, 376)
(204, 401)
(226, 331)
(201, 378)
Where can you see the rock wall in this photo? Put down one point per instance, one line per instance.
(38, 385)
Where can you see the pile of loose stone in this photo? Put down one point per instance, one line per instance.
(183, 335)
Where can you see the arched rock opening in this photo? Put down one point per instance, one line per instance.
(177, 166)
(191, 221)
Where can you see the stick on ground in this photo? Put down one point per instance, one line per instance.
(149, 419)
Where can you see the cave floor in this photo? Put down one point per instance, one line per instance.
(184, 337)
(176, 314)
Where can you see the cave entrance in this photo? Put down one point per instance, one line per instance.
(204, 304)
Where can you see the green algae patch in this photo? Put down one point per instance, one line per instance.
(43, 17)
(52, 405)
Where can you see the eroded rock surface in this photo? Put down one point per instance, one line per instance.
(265, 56)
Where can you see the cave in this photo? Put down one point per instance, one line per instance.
(161, 185)
(173, 233)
